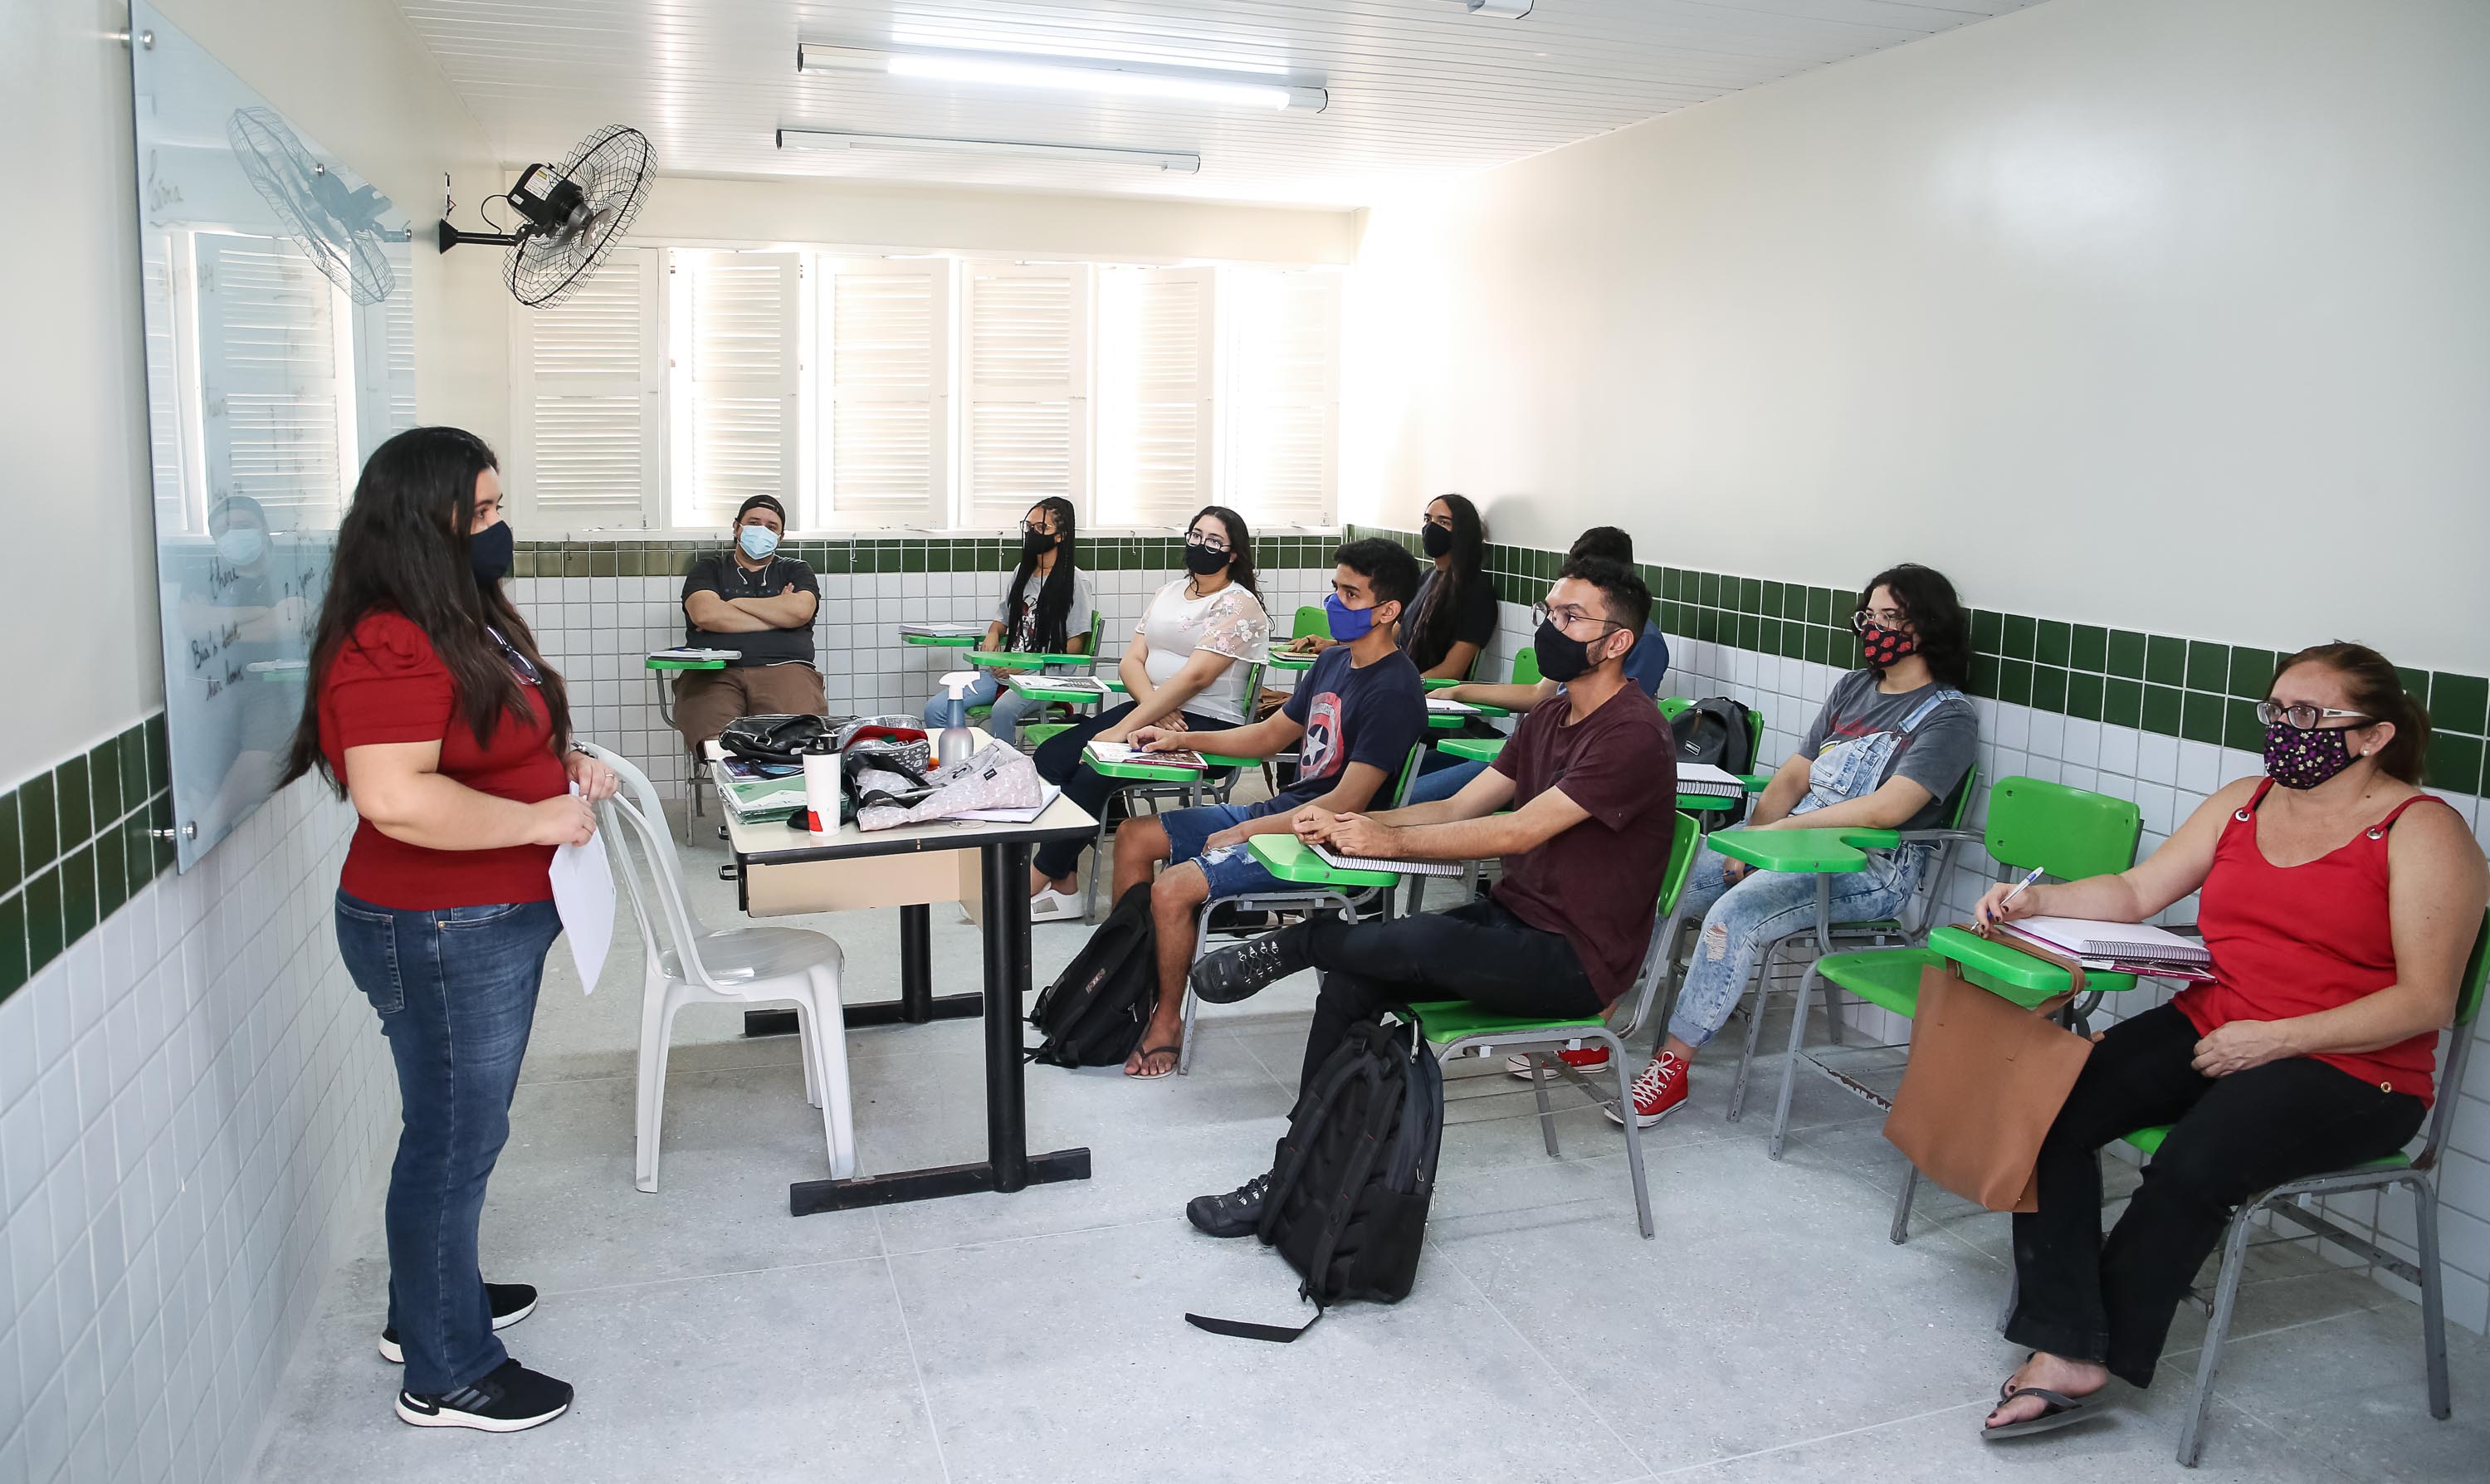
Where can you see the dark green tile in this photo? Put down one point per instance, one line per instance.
(1672, 583)
(2165, 660)
(1707, 590)
(2055, 644)
(13, 859)
(2089, 649)
(911, 556)
(135, 784)
(523, 562)
(77, 895)
(76, 802)
(1749, 631)
(111, 875)
(1751, 594)
(2454, 762)
(1820, 605)
(2163, 709)
(2251, 673)
(2459, 702)
(2209, 667)
(1793, 639)
(104, 783)
(1989, 631)
(2122, 702)
(631, 561)
(2126, 653)
(834, 562)
(137, 853)
(1818, 645)
(1768, 635)
(2239, 727)
(160, 755)
(2084, 696)
(13, 946)
(43, 899)
(2416, 683)
(2049, 687)
(602, 562)
(1772, 600)
(2015, 682)
(1983, 675)
(575, 562)
(2022, 635)
(2200, 717)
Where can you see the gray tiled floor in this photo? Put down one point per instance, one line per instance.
(1770, 1331)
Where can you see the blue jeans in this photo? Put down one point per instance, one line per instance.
(1739, 920)
(455, 988)
(1010, 707)
(1442, 783)
(1230, 870)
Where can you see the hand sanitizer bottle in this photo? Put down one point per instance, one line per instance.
(956, 744)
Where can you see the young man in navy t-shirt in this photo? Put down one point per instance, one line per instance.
(1353, 719)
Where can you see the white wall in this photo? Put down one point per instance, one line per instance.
(2169, 316)
(72, 391)
(843, 213)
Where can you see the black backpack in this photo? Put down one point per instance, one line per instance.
(1715, 731)
(1352, 1177)
(1094, 1012)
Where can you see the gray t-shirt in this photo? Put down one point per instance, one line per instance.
(1021, 633)
(1935, 754)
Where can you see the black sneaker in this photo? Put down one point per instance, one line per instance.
(510, 1399)
(1234, 1215)
(511, 1302)
(1246, 970)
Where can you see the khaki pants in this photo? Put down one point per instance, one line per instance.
(707, 700)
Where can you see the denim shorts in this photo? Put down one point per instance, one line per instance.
(1231, 869)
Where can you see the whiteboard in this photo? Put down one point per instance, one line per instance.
(278, 302)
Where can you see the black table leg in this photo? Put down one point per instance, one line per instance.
(1008, 1165)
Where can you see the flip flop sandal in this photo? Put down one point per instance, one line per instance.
(2059, 1409)
(1173, 1049)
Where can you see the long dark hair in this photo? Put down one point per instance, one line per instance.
(1240, 545)
(1927, 599)
(402, 547)
(1052, 630)
(2377, 693)
(1432, 638)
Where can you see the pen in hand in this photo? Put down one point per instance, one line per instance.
(1997, 913)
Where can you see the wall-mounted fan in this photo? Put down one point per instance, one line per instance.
(575, 213)
(336, 226)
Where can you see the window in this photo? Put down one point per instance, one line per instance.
(1025, 371)
(591, 419)
(739, 416)
(886, 419)
(276, 379)
(1157, 417)
(1284, 418)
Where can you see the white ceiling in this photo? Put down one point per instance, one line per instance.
(1421, 90)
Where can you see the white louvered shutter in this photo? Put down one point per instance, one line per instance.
(741, 368)
(384, 354)
(1284, 387)
(276, 389)
(1157, 374)
(886, 420)
(1025, 376)
(590, 380)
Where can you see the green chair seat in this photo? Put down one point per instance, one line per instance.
(1445, 1020)
(2147, 1142)
(1888, 978)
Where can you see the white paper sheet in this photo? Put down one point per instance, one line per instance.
(583, 896)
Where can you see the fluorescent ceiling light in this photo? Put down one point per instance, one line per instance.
(1174, 161)
(1077, 75)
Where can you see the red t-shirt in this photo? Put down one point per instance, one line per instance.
(1599, 882)
(386, 684)
(2312, 937)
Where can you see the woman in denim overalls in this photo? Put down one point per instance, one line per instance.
(1917, 646)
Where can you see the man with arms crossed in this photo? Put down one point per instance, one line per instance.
(749, 598)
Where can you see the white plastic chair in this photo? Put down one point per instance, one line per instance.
(689, 963)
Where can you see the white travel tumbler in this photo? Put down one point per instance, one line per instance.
(821, 792)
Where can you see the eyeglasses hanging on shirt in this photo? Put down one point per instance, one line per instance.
(520, 664)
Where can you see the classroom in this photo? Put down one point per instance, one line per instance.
(975, 740)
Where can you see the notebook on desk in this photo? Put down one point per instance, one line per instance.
(1451, 707)
(1708, 781)
(1086, 684)
(2139, 943)
(943, 630)
(1126, 752)
(695, 652)
(1340, 863)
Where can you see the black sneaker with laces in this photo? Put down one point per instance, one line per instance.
(1234, 1214)
(511, 1302)
(509, 1399)
(1248, 969)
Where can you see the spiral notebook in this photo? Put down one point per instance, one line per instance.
(2126, 942)
(1340, 863)
(1705, 780)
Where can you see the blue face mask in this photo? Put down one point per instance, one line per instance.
(241, 545)
(1348, 625)
(757, 541)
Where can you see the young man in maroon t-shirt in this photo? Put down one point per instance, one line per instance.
(1590, 779)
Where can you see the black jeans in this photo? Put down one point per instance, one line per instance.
(1478, 951)
(1059, 760)
(2231, 1137)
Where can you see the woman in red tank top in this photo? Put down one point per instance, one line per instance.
(431, 707)
(2339, 902)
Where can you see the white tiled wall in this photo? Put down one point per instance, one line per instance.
(2168, 777)
(598, 631)
(191, 1099)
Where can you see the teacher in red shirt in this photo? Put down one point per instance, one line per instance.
(431, 709)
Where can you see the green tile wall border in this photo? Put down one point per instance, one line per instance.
(73, 846)
(2197, 689)
(625, 558)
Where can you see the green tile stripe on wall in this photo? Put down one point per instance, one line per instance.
(74, 846)
(622, 558)
(2195, 688)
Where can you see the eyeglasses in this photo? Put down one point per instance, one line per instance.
(520, 664)
(1205, 541)
(1032, 528)
(2306, 717)
(1567, 616)
(1882, 618)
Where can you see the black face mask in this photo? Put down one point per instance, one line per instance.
(1036, 544)
(490, 552)
(1561, 656)
(1434, 540)
(1202, 561)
